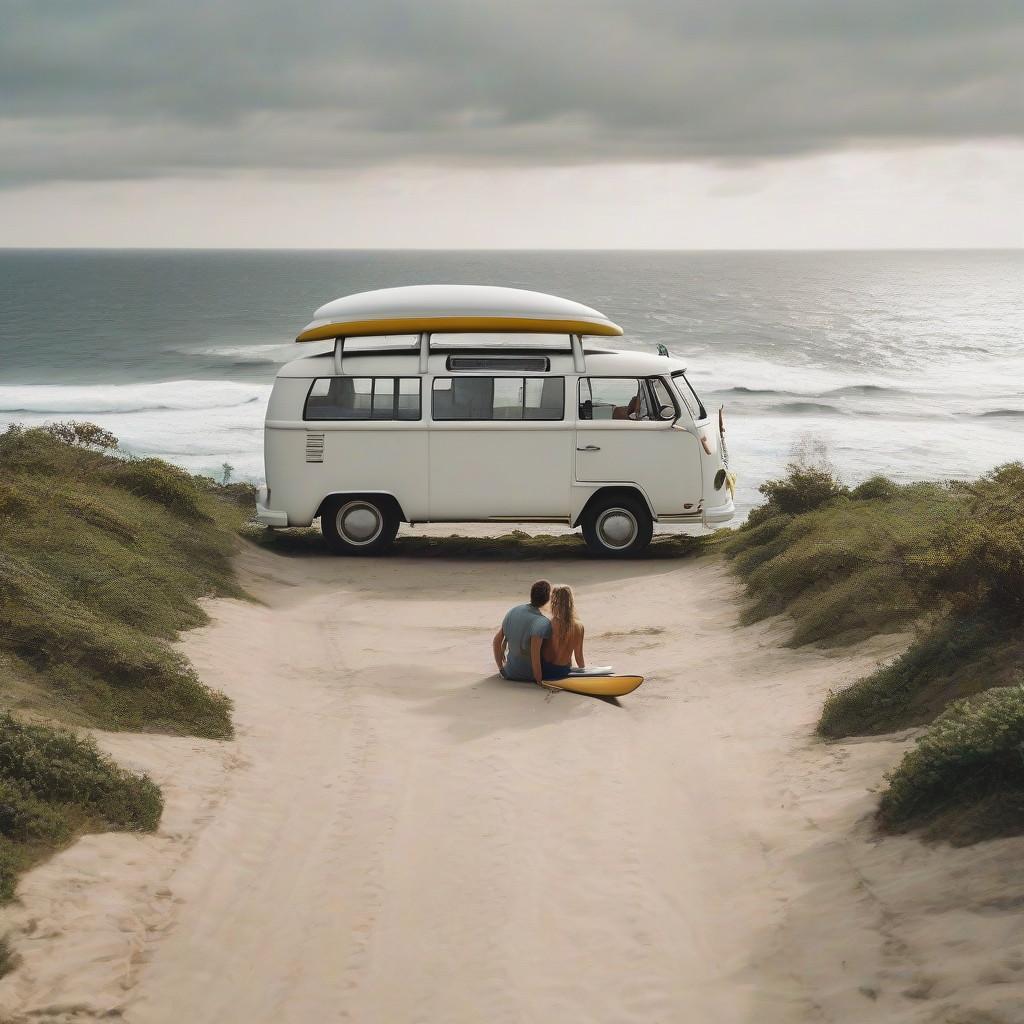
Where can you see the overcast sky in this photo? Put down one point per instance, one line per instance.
(652, 122)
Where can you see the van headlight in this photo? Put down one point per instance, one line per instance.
(720, 479)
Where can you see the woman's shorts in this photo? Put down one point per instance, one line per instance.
(552, 672)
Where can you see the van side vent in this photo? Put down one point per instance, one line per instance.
(314, 447)
(529, 364)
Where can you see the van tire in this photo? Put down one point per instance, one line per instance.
(356, 525)
(617, 526)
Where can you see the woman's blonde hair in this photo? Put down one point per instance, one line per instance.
(563, 606)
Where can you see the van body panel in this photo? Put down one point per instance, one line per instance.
(389, 458)
(384, 461)
(483, 470)
(582, 493)
(719, 506)
(286, 400)
(665, 458)
(294, 486)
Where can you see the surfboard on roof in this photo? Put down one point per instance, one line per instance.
(417, 309)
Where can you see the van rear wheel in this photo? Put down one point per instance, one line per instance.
(358, 526)
(618, 526)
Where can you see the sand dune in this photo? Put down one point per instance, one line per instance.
(397, 835)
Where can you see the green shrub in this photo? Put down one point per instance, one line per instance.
(88, 435)
(838, 571)
(978, 559)
(973, 750)
(56, 766)
(878, 488)
(54, 786)
(803, 489)
(875, 559)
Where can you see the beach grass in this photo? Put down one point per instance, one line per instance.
(956, 657)
(56, 786)
(102, 562)
(841, 568)
(945, 560)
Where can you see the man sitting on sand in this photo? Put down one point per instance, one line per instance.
(524, 629)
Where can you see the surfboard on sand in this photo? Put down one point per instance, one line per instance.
(598, 685)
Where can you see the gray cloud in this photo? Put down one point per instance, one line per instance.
(121, 88)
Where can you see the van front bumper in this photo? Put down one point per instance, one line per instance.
(719, 513)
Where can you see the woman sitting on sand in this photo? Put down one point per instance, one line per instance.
(566, 638)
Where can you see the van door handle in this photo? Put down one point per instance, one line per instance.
(589, 448)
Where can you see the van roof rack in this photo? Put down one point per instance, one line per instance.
(518, 356)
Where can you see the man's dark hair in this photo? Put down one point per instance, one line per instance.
(540, 593)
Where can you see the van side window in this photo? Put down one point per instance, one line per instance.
(363, 398)
(499, 398)
(613, 398)
(664, 406)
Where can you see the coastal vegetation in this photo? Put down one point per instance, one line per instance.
(945, 560)
(56, 786)
(102, 561)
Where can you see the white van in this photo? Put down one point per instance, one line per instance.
(457, 403)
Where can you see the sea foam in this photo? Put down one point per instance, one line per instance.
(198, 424)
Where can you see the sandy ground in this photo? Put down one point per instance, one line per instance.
(397, 835)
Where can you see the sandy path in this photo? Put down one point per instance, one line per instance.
(398, 836)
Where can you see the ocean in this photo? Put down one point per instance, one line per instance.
(909, 364)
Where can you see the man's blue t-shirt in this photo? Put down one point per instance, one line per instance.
(519, 625)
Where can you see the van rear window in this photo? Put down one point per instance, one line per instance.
(363, 398)
(499, 398)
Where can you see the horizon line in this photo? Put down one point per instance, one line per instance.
(505, 249)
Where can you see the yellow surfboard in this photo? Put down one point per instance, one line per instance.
(599, 686)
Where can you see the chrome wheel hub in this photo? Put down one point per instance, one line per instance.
(617, 528)
(359, 523)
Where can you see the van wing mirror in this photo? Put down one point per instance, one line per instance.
(667, 413)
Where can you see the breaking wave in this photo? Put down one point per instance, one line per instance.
(88, 399)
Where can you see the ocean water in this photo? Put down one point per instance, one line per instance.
(909, 364)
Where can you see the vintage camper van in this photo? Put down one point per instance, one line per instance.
(457, 403)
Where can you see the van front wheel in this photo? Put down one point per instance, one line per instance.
(618, 526)
(358, 526)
